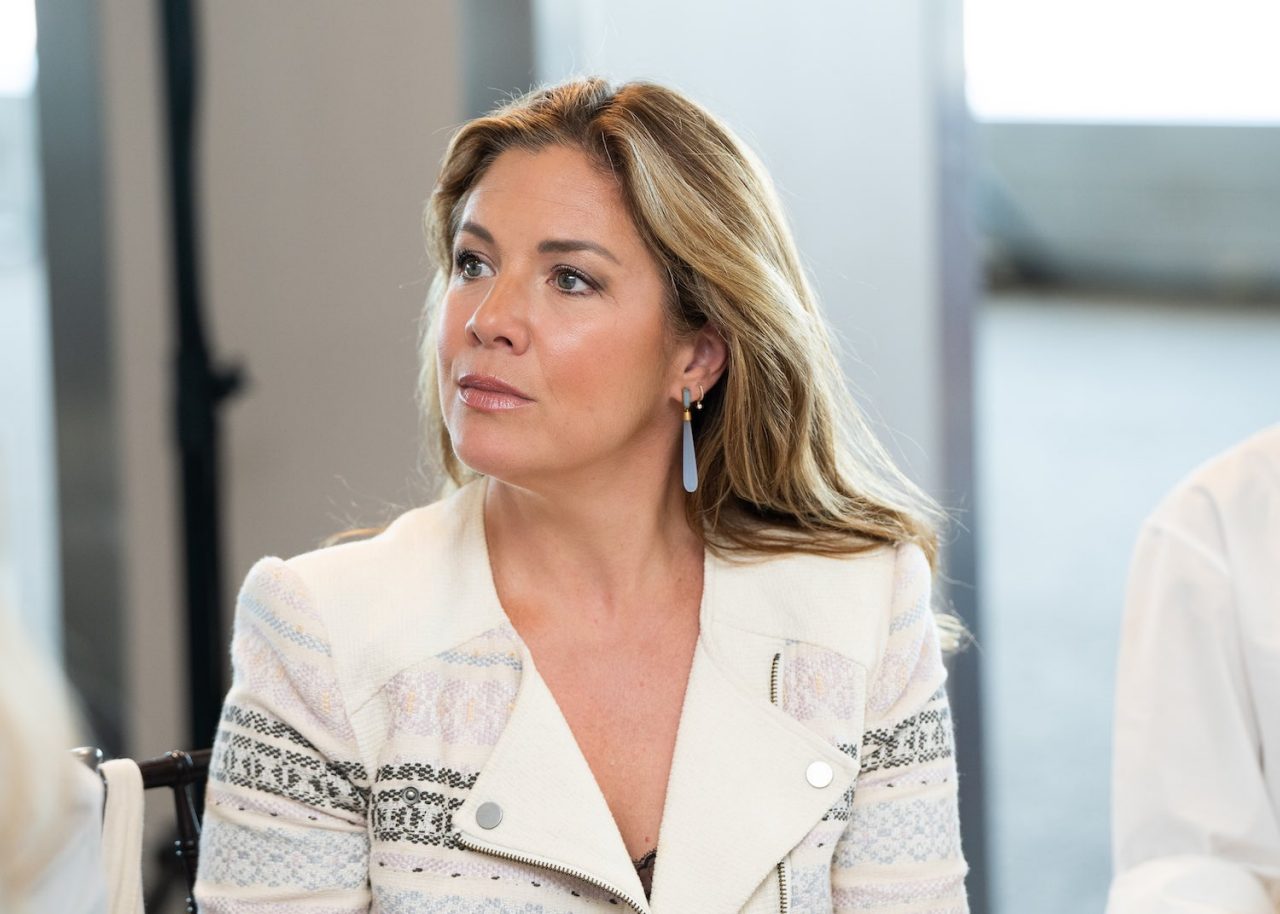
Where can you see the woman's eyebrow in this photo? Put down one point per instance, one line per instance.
(550, 246)
(475, 228)
(568, 246)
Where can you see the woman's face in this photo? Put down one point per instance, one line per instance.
(554, 354)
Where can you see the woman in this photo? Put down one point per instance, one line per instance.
(667, 643)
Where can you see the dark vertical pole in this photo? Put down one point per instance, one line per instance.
(200, 387)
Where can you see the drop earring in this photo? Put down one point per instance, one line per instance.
(690, 459)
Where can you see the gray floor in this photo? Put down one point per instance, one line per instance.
(1089, 409)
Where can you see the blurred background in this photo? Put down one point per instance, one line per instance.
(1047, 235)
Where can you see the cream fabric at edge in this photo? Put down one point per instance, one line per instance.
(122, 835)
(1196, 779)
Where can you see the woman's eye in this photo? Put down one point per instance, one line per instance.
(570, 281)
(469, 265)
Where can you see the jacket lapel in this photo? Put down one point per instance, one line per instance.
(553, 812)
(738, 798)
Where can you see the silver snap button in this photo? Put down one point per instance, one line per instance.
(819, 774)
(488, 815)
(411, 795)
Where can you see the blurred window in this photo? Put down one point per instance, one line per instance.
(28, 500)
(1146, 61)
(17, 47)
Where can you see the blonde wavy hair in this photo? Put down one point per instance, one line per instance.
(786, 460)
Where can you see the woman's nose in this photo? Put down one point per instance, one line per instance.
(501, 318)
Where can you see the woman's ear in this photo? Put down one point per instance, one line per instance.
(708, 357)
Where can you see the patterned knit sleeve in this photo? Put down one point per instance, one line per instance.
(285, 812)
(901, 848)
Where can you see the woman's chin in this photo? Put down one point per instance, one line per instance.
(507, 463)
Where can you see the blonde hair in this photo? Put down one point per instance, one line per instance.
(37, 732)
(786, 461)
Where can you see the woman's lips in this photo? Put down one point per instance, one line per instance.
(489, 394)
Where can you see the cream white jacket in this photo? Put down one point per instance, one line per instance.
(1196, 785)
(385, 713)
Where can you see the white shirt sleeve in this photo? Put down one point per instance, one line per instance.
(1193, 826)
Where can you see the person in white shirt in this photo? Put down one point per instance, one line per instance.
(1196, 776)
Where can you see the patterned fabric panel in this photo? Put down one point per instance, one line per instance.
(940, 895)
(307, 905)
(288, 796)
(900, 847)
(810, 866)
(414, 802)
(246, 755)
(280, 652)
(445, 717)
(920, 739)
(417, 901)
(463, 696)
(308, 860)
(464, 881)
(826, 691)
(912, 830)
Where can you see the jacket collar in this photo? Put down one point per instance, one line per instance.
(738, 797)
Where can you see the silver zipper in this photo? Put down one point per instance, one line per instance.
(531, 861)
(784, 871)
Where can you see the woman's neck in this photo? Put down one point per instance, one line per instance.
(608, 549)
